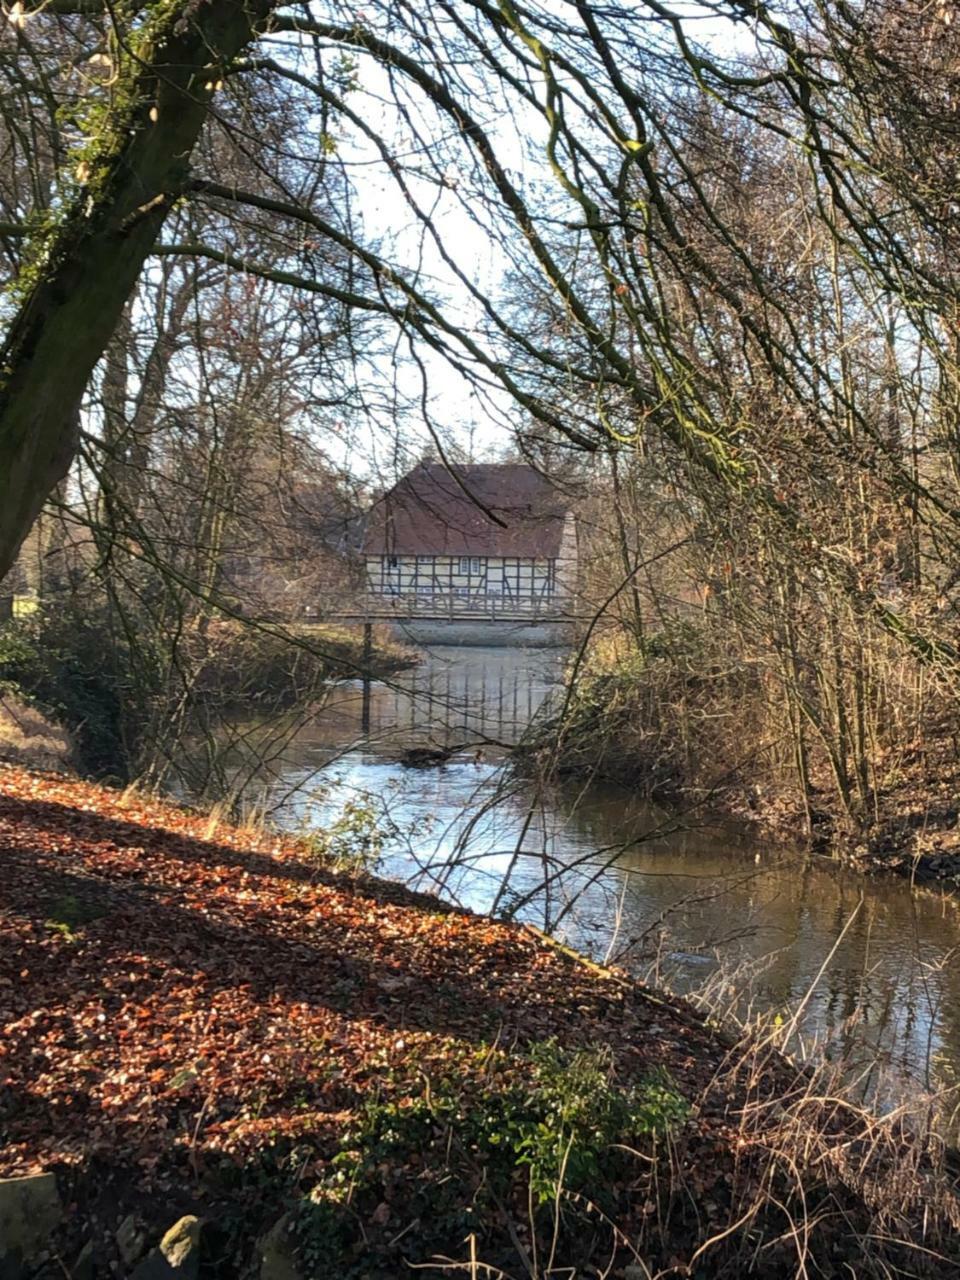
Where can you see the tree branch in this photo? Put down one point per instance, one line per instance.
(418, 309)
(194, 249)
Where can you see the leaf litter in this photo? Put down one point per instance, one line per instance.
(179, 996)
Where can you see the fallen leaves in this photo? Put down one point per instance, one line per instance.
(215, 991)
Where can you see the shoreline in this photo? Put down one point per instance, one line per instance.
(78, 725)
(916, 835)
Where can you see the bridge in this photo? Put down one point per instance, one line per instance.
(535, 623)
(442, 607)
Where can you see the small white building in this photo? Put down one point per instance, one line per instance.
(488, 538)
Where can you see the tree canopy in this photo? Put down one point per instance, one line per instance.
(695, 209)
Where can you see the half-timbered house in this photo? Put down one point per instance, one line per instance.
(481, 538)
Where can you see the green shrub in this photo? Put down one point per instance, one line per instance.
(565, 1128)
(354, 840)
(536, 1130)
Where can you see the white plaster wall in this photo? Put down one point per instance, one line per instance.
(506, 578)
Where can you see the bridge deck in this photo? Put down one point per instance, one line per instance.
(528, 619)
(451, 609)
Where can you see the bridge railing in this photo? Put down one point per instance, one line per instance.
(438, 604)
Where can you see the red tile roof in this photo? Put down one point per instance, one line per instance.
(432, 511)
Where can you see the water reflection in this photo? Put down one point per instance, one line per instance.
(682, 901)
(456, 698)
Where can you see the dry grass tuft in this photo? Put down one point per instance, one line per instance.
(30, 739)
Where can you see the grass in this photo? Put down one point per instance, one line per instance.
(28, 737)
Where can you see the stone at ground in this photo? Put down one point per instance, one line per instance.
(30, 1211)
(130, 1240)
(276, 1252)
(178, 1255)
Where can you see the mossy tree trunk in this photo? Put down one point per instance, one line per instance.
(83, 269)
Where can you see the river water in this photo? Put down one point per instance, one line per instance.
(867, 968)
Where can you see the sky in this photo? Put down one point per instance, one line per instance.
(451, 401)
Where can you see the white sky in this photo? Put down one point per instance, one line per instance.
(385, 215)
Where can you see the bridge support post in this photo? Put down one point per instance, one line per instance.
(367, 662)
(365, 677)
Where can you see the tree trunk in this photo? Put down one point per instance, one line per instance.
(87, 268)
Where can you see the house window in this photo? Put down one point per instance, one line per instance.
(393, 562)
(469, 564)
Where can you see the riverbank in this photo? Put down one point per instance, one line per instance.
(700, 740)
(239, 662)
(116, 702)
(342, 1078)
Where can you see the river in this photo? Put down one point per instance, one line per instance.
(866, 967)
